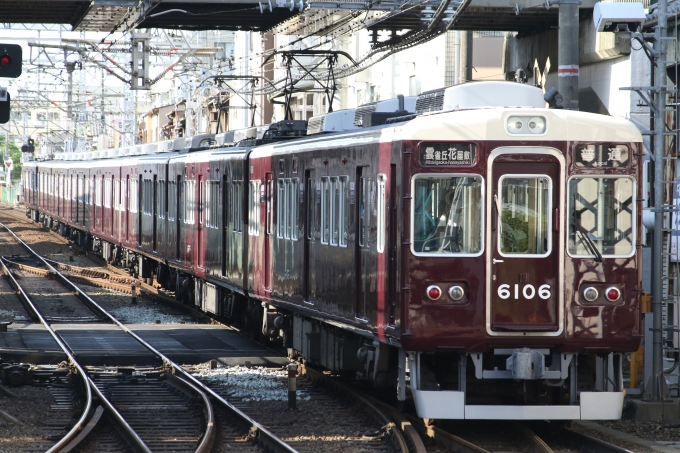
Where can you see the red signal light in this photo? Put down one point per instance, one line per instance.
(5, 60)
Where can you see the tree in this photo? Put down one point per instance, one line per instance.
(14, 154)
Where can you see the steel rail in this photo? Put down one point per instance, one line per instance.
(139, 443)
(264, 436)
(539, 445)
(373, 404)
(81, 423)
(590, 444)
(89, 385)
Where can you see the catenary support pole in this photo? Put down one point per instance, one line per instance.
(465, 50)
(657, 250)
(567, 54)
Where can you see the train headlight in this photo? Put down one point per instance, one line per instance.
(536, 125)
(456, 293)
(433, 292)
(526, 125)
(612, 294)
(590, 294)
(516, 125)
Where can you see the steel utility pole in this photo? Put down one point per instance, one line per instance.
(658, 387)
(567, 54)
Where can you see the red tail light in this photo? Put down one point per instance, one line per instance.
(434, 292)
(612, 294)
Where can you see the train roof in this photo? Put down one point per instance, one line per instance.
(492, 124)
(474, 124)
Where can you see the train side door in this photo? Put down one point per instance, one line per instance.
(269, 227)
(227, 207)
(524, 283)
(154, 202)
(362, 242)
(309, 209)
(200, 253)
(179, 206)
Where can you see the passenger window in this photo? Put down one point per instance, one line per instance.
(325, 210)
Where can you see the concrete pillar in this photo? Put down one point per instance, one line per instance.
(567, 54)
(465, 57)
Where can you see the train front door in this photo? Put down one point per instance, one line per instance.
(524, 282)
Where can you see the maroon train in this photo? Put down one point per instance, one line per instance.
(484, 257)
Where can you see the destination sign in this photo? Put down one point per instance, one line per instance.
(447, 154)
(602, 156)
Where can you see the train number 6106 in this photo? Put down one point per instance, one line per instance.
(529, 291)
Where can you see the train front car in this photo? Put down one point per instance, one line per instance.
(520, 257)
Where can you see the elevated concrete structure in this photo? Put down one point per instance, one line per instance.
(524, 16)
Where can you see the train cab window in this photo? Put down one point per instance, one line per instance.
(236, 197)
(446, 215)
(254, 208)
(601, 215)
(525, 204)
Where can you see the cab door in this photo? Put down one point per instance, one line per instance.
(525, 294)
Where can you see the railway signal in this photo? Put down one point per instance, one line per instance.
(10, 67)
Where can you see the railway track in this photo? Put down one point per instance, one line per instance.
(158, 408)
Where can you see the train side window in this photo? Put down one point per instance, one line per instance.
(325, 209)
(335, 210)
(160, 198)
(446, 214)
(602, 215)
(254, 208)
(364, 187)
(236, 205)
(107, 192)
(311, 207)
(287, 209)
(294, 207)
(134, 194)
(172, 200)
(212, 202)
(380, 234)
(344, 210)
(98, 191)
(201, 200)
(280, 208)
(116, 194)
(189, 201)
(147, 197)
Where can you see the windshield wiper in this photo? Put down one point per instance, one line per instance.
(590, 245)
